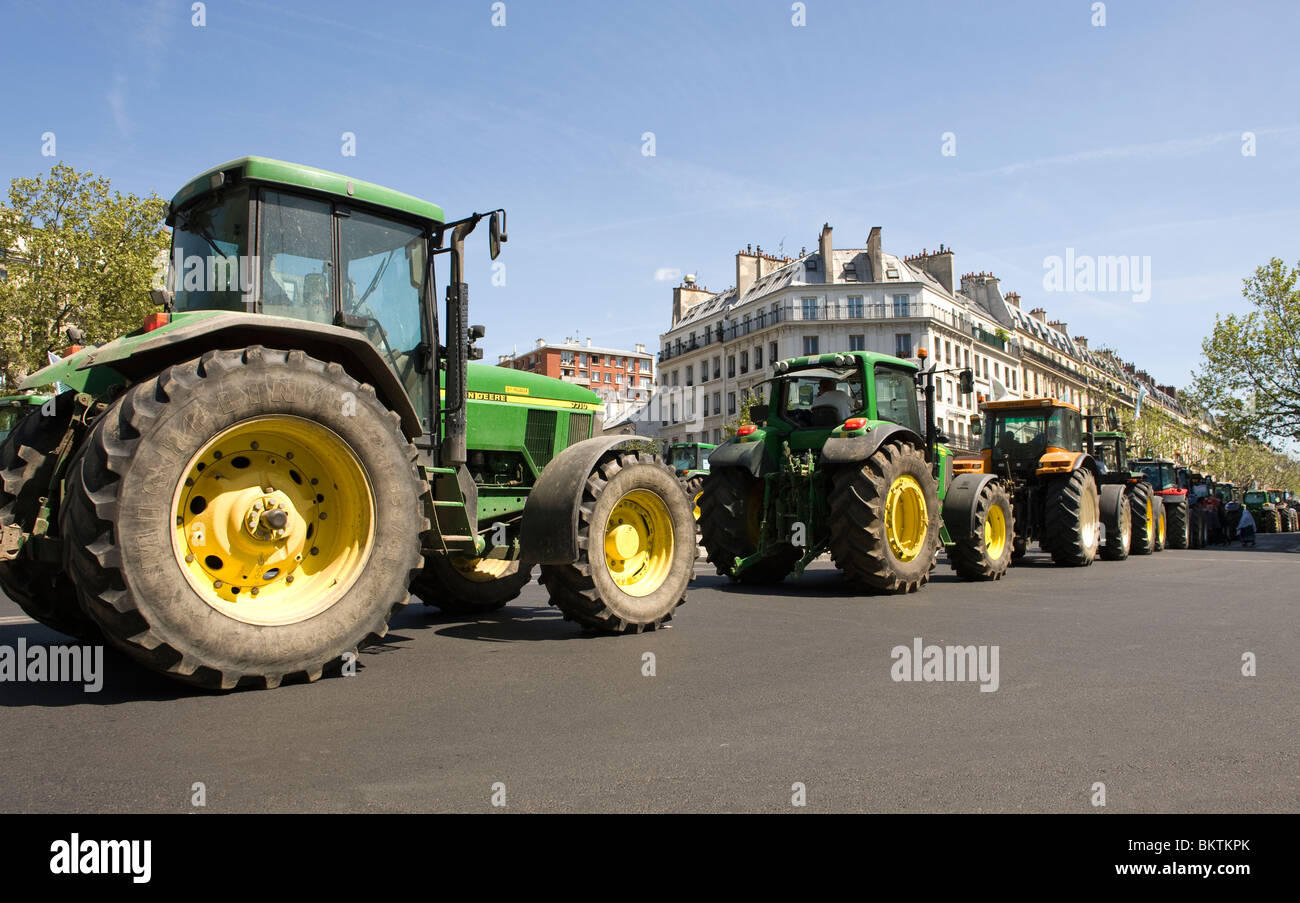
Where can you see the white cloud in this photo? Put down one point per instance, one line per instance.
(667, 274)
(116, 98)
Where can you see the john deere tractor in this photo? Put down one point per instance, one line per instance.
(14, 408)
(1128, 514)
(1267, 518)
(1033, 446)
(1286, 515)
(839, 461)
(690, 461)
(243, 490)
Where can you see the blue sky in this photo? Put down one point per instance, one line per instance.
(1122, 139)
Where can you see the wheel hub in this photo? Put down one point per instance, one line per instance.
(906, 518)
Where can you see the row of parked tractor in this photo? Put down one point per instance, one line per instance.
(244, 490)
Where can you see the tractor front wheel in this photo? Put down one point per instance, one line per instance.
(470, 586)
(985, 553)
(245, 517)
(636, 548)
(1072, 520)
(1176, 515)
(885, 520)
(1119, 535)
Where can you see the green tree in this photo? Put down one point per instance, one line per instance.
(1250, 370)
(747, 401)
(78, 255)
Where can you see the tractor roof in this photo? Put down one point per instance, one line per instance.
(294, 175)
(1026, 404)
(841, 359)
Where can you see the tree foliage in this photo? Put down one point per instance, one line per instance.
(78, 254)
(1250, 371)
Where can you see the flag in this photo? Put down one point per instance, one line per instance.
(1137, 408)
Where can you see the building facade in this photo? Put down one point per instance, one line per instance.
(618, 376)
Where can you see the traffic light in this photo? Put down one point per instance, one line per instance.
(967, 381)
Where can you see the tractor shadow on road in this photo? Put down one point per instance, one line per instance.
(517, 622)
(120, 679)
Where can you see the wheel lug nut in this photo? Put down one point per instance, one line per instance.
(217, 584)
(289, 579)
(253, 591)
(189, 559)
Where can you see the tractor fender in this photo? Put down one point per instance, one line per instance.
(140, 358)
(959, 503)
(1113, 498)
(749, 455)
(549, 533)
(855, 449)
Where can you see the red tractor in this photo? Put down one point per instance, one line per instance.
(1182, 525)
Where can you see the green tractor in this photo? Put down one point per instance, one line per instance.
(245, 489)
(1267, 518)
(690, 461)
(1286, 517)
(14, 408)
(1133, 527)
(838, 461)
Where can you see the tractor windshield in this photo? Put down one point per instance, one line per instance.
(1107, 454)
(211, 269)
(1161, 476)
(1255, 498)
(896, 398)
(685, 457)
(822, 398)
(1019, 433)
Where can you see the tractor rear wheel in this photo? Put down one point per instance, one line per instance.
(731, 519)
(469, 586)
(28, 460)
(1144, 519)
(885, 520)
(1176, 513)
(636, 548)
(1072, 520)
(986, 553)
(245, 517)
(1119, 537)
(1162, 524)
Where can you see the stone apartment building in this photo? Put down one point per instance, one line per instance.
(720, 345)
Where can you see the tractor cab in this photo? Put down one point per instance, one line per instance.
(1160, 473)
(1020, 435)
(687, 457)
(813, 396)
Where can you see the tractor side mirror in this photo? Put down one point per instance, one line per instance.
(497, 232)
(758, 413)
(415, 261)
(967, 381)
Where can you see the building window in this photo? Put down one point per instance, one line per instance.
(758, 357)
(986, 368)
(731, 402)
(938, 389)
(675, 375)
(809, 308)
(947, 352)
(997, 370)
(566, 357)
(966, 355)
(901, 306)
(855, 307)
(731, 366)
(690, 374)
(857, 343)
(706, 406)
(903, 344)
(744, 362)
(811, 344)
(717, 368)
(771, 352)
(717, 402)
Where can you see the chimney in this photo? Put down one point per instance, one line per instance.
(688, 296)
(1013, 298)
(1038, 314)
(1058, 326)
(541, 343)
(503, 359)
(983, 287)
(827, 251)
(640, 349)
(1081, 341)
(875, 256)
(940, 265)
(746, 271)
(588, 341)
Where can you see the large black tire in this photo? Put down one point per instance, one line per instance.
(1119, 537)
(1162, 524)
(1176, 518)
(973, 556)
(473, 588)
(587, 591)
(860, 521)
(731, 511)
(1144, 526)
(1072, 520)
(119, 518)
(28, 459)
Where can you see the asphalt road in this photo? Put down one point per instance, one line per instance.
(1128, 674)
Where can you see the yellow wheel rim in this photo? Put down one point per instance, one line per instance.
(274, 519)
(1162, 528)
(907, 519)
(696, 503)
(481, 570)
(995, 533)
(639, 542)
(1150, 516)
